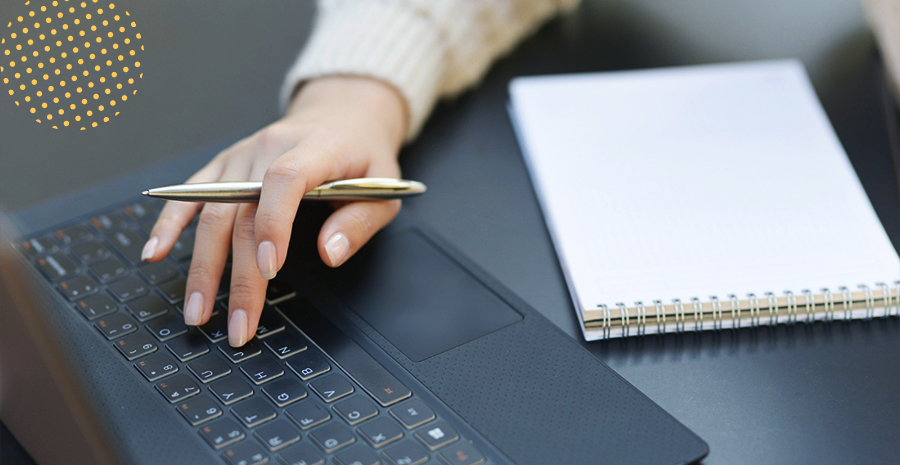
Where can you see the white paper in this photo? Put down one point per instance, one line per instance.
(696, 182)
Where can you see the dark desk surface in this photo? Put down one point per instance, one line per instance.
(805, 394)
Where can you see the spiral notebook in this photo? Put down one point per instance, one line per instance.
(701, 198)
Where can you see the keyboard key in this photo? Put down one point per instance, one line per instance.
(278, 290)
(129, 288)
(148, 307)
(148, 209)
(331, 387)
(136, 346)
(332, 436)
(373, 377)
(308, 414)
(239, 354)
(90, 252)
(173, 291)
(184, 247)
(222, 433)
(129, 243)
(355, 409)
(309, 364)
(199, 409)
(156, 366)
(159, 272)
(147, 225)
(381, 432)
(277, 435)
(109, 269)
(252, 412)
(189, 347)
(357, 455)
(96, 306)
(109, 222)
(406, 452)
(231, 389)
(37, 246)
(437, 435)
(216, 329)
(302, 454)
(286, 343)
(178, 387)
(167, 327)
(262, 369)
(269, 323)
(221, 305)
(116, 325)
(413, 413)
(78, 286)
(461, 454)
(74, 234)
(57, 266)
(209, 368)
(246, 453)
(225, 282)
(285, 391)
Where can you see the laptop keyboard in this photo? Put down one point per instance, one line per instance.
(280, 398)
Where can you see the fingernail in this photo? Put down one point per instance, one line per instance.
(150, 248)
(337, 249)
(237, 328)
(266, 260)
(193, 310)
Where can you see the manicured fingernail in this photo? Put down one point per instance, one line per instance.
(193, 310)
(237, 328)
(150, 248)
(266, 260)
(337, 248)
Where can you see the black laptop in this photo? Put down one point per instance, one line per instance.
(406, 355)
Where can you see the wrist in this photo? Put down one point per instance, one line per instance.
(365, 100)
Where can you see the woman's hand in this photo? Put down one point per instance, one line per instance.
(336, 128)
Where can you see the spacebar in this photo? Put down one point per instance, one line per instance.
(378, 382)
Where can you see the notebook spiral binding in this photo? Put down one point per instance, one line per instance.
(623, 320)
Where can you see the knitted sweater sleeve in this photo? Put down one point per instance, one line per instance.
(426, 49)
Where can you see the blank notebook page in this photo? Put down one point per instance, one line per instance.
(696, 182)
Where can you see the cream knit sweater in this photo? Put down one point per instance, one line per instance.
(426, 49)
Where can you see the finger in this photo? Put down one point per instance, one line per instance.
(175, 216)
(248, 288)
(285, 181)
(211, 246)
(351, 226)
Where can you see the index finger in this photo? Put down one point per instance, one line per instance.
(175, 216)
(286, 180)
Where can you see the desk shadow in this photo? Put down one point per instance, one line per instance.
(734, 342)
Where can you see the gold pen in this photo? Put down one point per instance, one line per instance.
(248, 191)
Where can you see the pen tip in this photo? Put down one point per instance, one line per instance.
(145, 192)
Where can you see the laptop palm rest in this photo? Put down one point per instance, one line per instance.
(512, 376)
(418, 298)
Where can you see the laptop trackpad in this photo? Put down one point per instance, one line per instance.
(417, 297)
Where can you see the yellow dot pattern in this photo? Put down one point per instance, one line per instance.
(52, 52)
